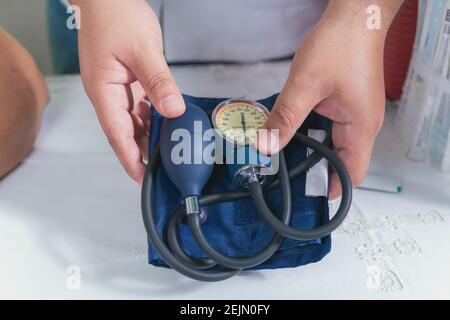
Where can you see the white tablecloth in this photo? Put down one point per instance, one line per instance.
(70, 221)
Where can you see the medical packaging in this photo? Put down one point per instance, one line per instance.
(423, 117)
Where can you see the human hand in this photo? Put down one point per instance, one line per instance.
(122, 62)
(338, 73)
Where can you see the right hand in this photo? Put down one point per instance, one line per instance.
(122, 63)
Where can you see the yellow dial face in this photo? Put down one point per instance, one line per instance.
(239, 121)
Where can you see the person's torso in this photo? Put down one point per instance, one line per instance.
(234, 30)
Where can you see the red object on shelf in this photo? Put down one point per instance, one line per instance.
(399, 47)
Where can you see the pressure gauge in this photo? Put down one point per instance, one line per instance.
(239, 121)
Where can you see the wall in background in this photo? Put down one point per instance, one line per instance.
(26, 20)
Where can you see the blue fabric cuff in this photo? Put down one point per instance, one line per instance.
(235, 229)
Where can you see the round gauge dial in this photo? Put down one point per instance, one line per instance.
(240, 120)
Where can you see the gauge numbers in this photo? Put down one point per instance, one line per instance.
(239, 121)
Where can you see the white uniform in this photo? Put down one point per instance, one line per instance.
(235, 30)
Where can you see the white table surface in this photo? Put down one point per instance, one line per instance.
(70, 204)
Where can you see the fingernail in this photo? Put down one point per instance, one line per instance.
(268, 141)
(173, 105)
(334, 188)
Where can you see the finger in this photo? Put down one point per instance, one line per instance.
(138, 93)
(295, 102)
(152, 71)
(141, 119)
(112, 102)
(143, 146)
(141, 115)
(141, 110)
(354, 147)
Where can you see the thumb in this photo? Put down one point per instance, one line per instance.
(152, 72)
(293, 105)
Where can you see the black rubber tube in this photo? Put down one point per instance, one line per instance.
(273, 245)
(325, 229)
(155, 238)
(176, 258)
(174, 243)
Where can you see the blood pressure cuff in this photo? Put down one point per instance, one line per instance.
(235, 228)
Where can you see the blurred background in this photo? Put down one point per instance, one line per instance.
(29, 27)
